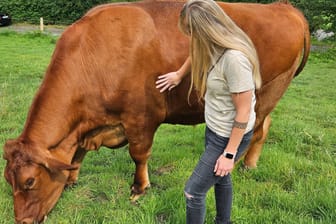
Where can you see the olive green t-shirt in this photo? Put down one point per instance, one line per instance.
(231, 74)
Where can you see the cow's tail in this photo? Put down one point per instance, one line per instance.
(306, 49)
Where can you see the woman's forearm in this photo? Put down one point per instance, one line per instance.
(185, 68)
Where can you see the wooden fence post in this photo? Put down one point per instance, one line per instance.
(41, 24)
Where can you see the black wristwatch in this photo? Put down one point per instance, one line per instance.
(228, 155)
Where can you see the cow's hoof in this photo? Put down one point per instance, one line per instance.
(249, 163)
(248, 166)
(134, 197)
(137, 192)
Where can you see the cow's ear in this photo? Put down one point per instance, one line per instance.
(55, 165)
(46, 159)
(11, 149)
(15, 149)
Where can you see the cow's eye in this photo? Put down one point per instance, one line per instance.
(29, 183)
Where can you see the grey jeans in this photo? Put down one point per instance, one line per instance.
(203, 178)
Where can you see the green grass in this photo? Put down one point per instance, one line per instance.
(295, 182)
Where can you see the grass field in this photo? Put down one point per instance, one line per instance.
(295, 182)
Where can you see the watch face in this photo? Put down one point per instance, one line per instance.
(228, 155)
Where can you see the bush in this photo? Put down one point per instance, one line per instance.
(321, 14)
(53, 11)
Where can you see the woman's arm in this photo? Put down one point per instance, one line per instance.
(242, 102)
(172, 79)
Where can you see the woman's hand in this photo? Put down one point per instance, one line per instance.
(168, 81)
(223, 166)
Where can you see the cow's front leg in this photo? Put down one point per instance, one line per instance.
(140, 155)
(77, 160)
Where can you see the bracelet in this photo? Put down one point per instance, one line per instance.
(240, 125)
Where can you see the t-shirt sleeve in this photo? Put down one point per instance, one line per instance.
(238, 73)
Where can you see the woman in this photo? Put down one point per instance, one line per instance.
(225, 73)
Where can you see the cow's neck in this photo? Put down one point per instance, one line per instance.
(53, 121)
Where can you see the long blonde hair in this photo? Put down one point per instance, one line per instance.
(212, 31)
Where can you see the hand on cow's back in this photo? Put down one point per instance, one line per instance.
(168, 81)
(172, 79)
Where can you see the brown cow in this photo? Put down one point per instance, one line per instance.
(99, 90)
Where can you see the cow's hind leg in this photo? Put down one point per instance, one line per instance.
(267, 98)
(257, 142)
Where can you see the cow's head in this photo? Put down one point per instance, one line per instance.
(37, 179)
